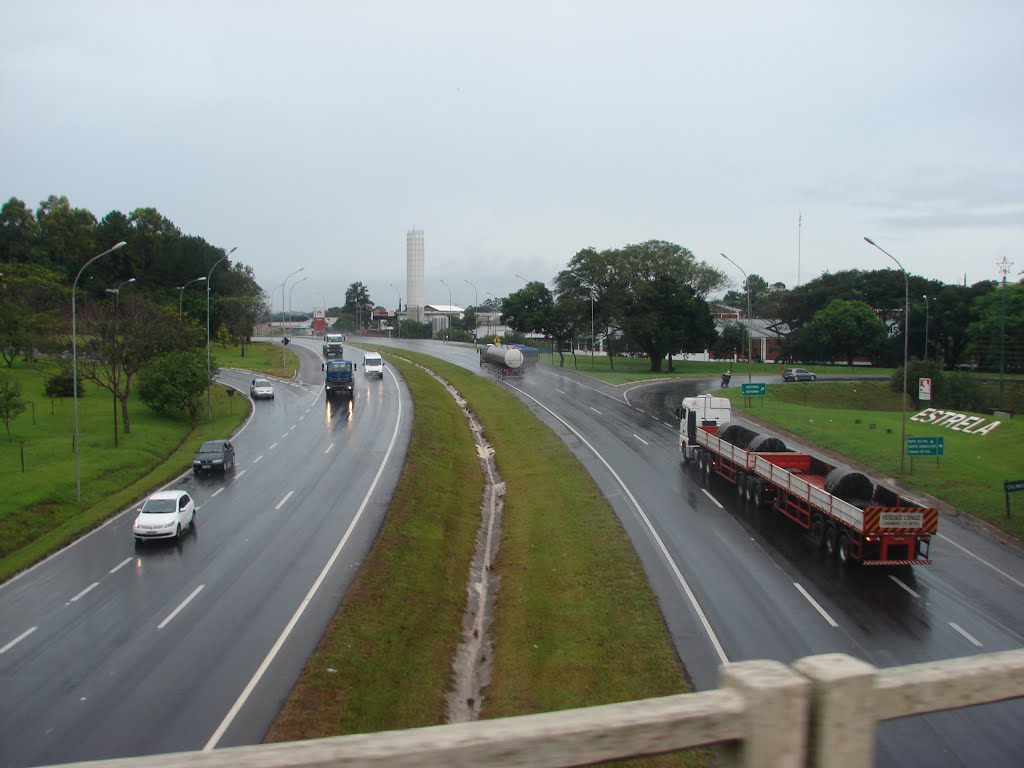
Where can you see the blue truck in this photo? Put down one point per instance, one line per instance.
(338, 379)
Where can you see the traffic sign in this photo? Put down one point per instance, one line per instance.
(924, 389)
(925, 446)
(752, 390)
(1009, 486)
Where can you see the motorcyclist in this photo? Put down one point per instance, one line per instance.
(725, 378)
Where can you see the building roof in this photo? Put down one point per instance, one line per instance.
(446, 308)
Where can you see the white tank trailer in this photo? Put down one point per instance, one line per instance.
(504, 361)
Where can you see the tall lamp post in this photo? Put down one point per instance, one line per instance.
(490, 315)
(926, 313)
(181, 290)
(116, 293)
(398, 321)
(447, 332)
(290, 297)
(906, 336)
(290, 275)
(476, 308)
(74, 360)
(209, 403)
(746, 284)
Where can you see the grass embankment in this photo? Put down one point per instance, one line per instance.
(40, 512)
(576, 623)
(862, 420)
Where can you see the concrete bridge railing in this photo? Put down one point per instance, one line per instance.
(821, 712)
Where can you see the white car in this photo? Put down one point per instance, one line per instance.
(164, 515)
(261, 388)
(373, 365)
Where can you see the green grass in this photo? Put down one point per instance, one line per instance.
(863, 420)
(265, 357)
(576, 622)
(40, 511)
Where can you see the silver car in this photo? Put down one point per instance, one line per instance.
(261, 388)
(165, 515)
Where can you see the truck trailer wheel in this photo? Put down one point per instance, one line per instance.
(817, 532)
(760, 495)
(741, 482)
(831, 540)
(843, 550)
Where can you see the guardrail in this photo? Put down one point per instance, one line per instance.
(821, 712)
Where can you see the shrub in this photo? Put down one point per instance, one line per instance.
(63, 385)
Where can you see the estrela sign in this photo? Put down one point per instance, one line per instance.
(958, 422)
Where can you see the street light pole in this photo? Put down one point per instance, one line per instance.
(926, 313)
(746, 283)
(476, 308)
(116, 292)
(490, 315)
(287, 278)
(398, 320)
(74, 360)
(906, 335)
(449, 313)
(181, 290)
(290, 297)
(209, 402)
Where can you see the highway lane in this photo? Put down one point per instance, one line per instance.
(739, 583)
(111, 650)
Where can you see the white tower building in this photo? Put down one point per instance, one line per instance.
(414, 255)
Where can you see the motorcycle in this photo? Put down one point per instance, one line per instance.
(725, 379)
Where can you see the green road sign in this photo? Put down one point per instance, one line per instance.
(752, 390)
(925, 446)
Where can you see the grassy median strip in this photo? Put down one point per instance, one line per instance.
(576, 623)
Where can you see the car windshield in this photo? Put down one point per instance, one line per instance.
(339, 365)
(261, 383)
(373, 361)
(214, 449)
(159, 506)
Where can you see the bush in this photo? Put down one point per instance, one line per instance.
(63, 385)
(962, 392)
(174, 382)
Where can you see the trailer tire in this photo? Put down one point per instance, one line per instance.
(709, 464)
(748, 489)
(831, 540)
(741, 482)
(817, 532)
(843, 552)
(760, 494)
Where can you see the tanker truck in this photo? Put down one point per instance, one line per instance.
(502, 360)
(841, 510)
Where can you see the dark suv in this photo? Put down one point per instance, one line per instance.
(214, 456)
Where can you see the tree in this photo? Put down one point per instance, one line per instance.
(18, 232)
(528, 310)
(996, 333)
(11, 404)
(848, 328)
(358, 304)
(731, 341)
(663, 318)
(173, 382)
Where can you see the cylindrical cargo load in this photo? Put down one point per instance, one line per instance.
(737, 435)
(767, 444)
(505, 357)
(850, 485)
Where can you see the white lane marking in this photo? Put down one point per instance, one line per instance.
(641, 410)
(817, 607)
(964, 632)
(560, 391)
(265, 665)
(713, 499)
(904, 586)
(218, 491)
(121, 565)
(303, 416)
(980, 559)
(272, 446)
(257, 459)
(595, 410)
(84, 592)
(640, 439)
(293, 426)
(283, 437)
(669, 424)
(647, 522)
(237, 476)
(329, 448)
(18, 639)
(282, 501)
(180, 607)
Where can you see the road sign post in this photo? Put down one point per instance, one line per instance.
(1011, 486)
(753, 390)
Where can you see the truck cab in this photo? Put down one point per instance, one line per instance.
(334, 345)
(700, 411)
(338, 377)
(373, 364)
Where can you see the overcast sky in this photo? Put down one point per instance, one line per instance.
(315, 134)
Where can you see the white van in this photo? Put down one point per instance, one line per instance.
(373, 365)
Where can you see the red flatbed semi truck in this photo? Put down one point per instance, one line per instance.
(845, 513)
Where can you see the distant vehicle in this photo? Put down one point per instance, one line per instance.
(531, 356)
(797, 374)
(164, 515)
(334, 345)
(261, 388)
(214, 456)
(338, 377)
(501, 360)
(373, 364)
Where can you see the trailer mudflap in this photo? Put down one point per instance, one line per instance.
(896, 562)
